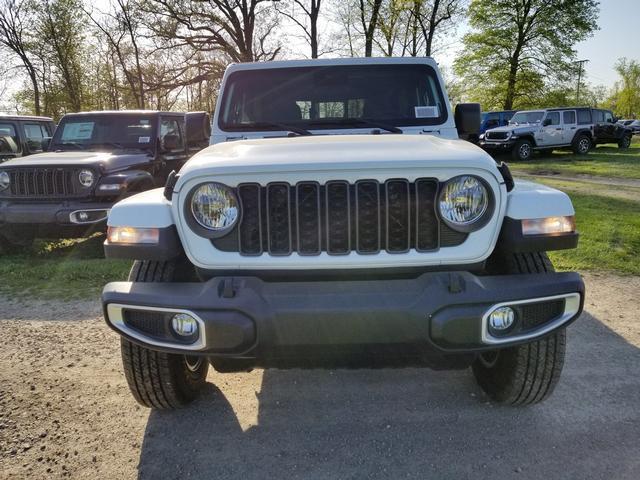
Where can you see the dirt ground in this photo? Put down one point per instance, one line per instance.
(65, 411)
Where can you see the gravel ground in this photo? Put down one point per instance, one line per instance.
(65, 411)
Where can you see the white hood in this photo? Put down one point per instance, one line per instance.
(333, 153)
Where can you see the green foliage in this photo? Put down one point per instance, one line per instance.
(625, 97)
(519, 48)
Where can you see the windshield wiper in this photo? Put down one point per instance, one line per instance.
(79, 146)
(360, 121)
(281, 126)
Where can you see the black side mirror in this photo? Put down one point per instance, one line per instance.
(8, 144)
(468, 118)
(44, 143)
(546, 122)
(170, 142)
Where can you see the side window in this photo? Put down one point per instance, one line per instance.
(554, 117)
(598, 116)
(8, 139)
(584, 117)
(171, 136)
(569, 117)
(34, 133)
(608, 116)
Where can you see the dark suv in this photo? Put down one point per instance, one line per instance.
(607, 130)
(93, 160)
(23, 135)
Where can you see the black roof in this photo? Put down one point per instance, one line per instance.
(566, 108)
(122, 112)
(24, 117)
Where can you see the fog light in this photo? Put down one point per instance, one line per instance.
(184, 325)
(83, 216)
(501, 319)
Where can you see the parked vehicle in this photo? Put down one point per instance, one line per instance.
(345, 225)
(634, 125)
(542, 130)
(495, 119)
(93, 160)
(23, 135)
(607, 130)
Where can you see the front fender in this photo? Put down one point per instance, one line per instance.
(148, 209)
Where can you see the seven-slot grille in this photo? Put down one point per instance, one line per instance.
(43, 182)
(496, 135)
(338, 218)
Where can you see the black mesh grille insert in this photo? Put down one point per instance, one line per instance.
(535, 314)
(43, 182)
(149, 323)
(339, 218)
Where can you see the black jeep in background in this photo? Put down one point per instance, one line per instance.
(607, 130)
(93, 160)
(23, 135)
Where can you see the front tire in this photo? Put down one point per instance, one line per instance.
(625, 142)
(522, 150)
(525, 374)
(161, 380)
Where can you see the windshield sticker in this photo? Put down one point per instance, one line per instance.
(77, 131)
(144, 122)
(144, 139)
(427, 112)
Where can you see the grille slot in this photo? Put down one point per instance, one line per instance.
(338, 218)
(496, 135)
(42, 182)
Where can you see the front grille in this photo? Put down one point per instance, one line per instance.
(496, 135)
(338, 218)
(535, 314)
(43, 182)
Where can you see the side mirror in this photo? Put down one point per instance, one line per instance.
(170, 142)
(468, 117)
(44, 143)
(611, 120)
(8, 144)
(546, 122)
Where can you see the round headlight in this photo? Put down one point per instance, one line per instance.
(5, 180)
(463, 201)
(215, 207)
(85, 177)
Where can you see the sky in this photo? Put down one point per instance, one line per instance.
(616, 38)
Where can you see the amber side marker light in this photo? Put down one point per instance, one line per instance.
(131, 235)
(549, 225)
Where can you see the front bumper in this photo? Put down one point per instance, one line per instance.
(433, 315)
(497, 146)
(63, 214)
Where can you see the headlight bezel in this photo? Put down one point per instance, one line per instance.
(481, 220)
(5, 186)
(202, 230)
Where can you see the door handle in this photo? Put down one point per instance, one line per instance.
(558, 128)
(573, 128)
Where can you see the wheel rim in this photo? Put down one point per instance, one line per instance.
(193, 363)
(524, 151)
(489, 359)
(583, 146)
(626, 141)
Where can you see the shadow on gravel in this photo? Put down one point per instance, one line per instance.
(412, 423)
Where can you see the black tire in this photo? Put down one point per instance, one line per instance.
(625, 142)
(525, 374)
(160, 380)
(582, 144)
(522, 150)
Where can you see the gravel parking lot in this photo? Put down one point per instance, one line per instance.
(65, 411)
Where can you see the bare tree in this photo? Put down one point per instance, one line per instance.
(311, 9)
(13, 35)
(369, 12)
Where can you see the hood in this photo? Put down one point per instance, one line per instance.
(333, 153)
(104, 161)
(516, 129)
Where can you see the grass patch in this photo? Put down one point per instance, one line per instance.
(65, 270)
(609, 236)
(607, 161)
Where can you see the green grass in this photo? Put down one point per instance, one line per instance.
(604, 161)
(65, 270)
(609, 236)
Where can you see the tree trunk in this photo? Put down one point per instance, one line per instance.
(370, 29)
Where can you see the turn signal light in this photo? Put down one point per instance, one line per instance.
(549, 225)
(131, 235)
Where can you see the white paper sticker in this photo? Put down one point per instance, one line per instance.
(427, 112)
(77, 131)
(144, 139)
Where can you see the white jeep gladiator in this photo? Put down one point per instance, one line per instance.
(338, 220)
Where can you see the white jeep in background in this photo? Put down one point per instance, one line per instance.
(338, 220)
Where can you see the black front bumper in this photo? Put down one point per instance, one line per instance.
(496, 146)
(53, 217)
(435, 315)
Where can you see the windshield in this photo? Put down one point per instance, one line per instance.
(332, 97)
(105, 132)
(526, 117)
